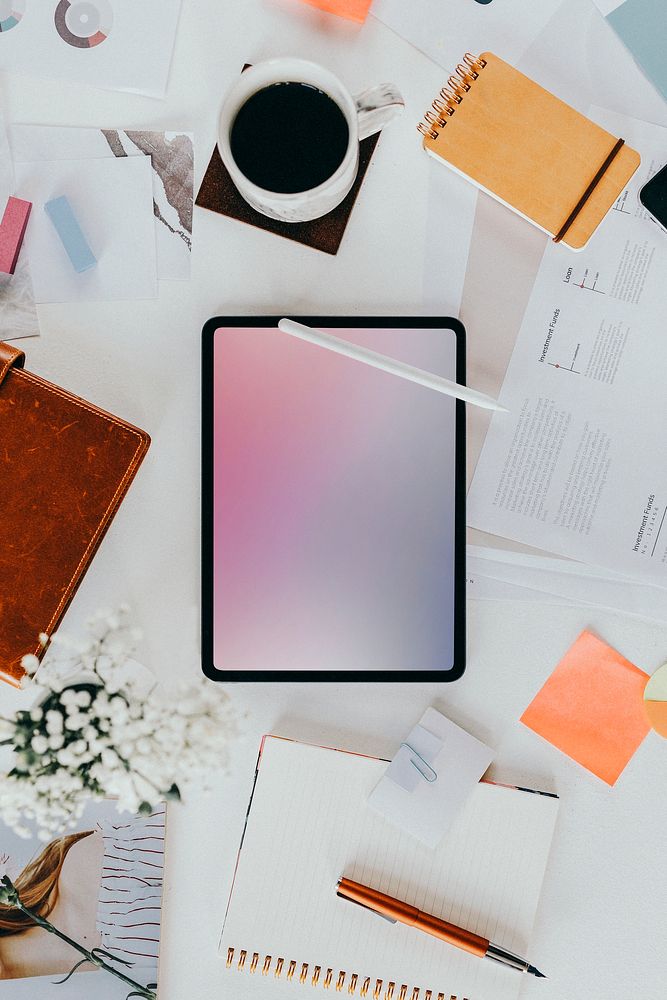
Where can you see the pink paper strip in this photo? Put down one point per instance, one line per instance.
(12, 231)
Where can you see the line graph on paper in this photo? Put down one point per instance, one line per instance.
(587, 280)
(568, 367)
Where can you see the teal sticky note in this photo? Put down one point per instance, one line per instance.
(642, 24)
(71, 235)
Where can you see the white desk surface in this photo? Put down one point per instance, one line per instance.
(602, 922)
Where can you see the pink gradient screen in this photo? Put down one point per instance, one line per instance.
(333, 505)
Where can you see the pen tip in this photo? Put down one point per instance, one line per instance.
(536, 972)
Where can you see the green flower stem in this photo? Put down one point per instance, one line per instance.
(140, 990)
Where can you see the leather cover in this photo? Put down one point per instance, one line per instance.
(65, 466)
(218, 193)
(529, 149)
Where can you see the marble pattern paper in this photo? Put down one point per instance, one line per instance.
(18, 315)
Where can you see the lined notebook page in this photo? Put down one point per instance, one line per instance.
(309, 823)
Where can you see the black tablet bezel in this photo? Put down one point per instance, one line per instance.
(371, 322)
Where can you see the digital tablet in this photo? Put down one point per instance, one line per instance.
(333, 504)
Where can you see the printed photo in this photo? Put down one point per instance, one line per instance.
(101, 886)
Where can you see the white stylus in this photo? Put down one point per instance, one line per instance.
(387, 364)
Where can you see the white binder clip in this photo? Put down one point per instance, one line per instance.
(431, 776)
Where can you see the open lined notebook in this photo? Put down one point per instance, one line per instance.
(309, 822)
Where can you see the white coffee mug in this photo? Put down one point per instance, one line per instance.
(365, 114)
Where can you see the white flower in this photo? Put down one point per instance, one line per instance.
(40, 744)
(30, 663)
(54, 722)
(75, 721)
(65, 757)
(130, 739)
(110, 759)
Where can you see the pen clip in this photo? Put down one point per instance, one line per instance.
(390, 920)
(433, 776)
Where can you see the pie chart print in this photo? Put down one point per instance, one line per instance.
(655, 700)
(84, 23)
(11, 12)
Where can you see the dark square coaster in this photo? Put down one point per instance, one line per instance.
(219, 194)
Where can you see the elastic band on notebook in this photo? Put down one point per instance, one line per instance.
(576, 211)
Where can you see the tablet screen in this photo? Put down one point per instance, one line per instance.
(330, 508)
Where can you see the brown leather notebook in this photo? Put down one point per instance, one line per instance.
(65, 466)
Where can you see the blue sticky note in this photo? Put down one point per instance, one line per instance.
(642, 25)
(63, 218)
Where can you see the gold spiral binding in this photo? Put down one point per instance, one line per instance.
(339, 980)
(451, 95)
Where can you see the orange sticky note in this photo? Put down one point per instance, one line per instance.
(592, 708)
(354, 10)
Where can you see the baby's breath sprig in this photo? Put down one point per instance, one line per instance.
(98, 730)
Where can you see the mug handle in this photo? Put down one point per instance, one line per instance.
(376, 107)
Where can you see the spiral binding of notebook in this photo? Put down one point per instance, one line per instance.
(451, 95)
(339, 980)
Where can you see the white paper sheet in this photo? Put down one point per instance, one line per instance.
(172, 162)
(608, 6)
(113, 202)
(430, 778)
(446, 31)
(481, 585)
(452, 202)
(577, 465)
(113, 44)
(565, 579)
(18, 315)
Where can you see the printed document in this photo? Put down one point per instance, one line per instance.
(578, 466)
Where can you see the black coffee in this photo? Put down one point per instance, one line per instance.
(289, 137)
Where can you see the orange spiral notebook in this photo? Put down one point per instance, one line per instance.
(528, 149)
(287, 935)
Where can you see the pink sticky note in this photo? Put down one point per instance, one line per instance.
(12, 231)
(592, 707)
(353, 10)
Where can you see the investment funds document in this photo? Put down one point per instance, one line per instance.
(578, 466)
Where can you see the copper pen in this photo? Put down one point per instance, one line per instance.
(395, 910)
